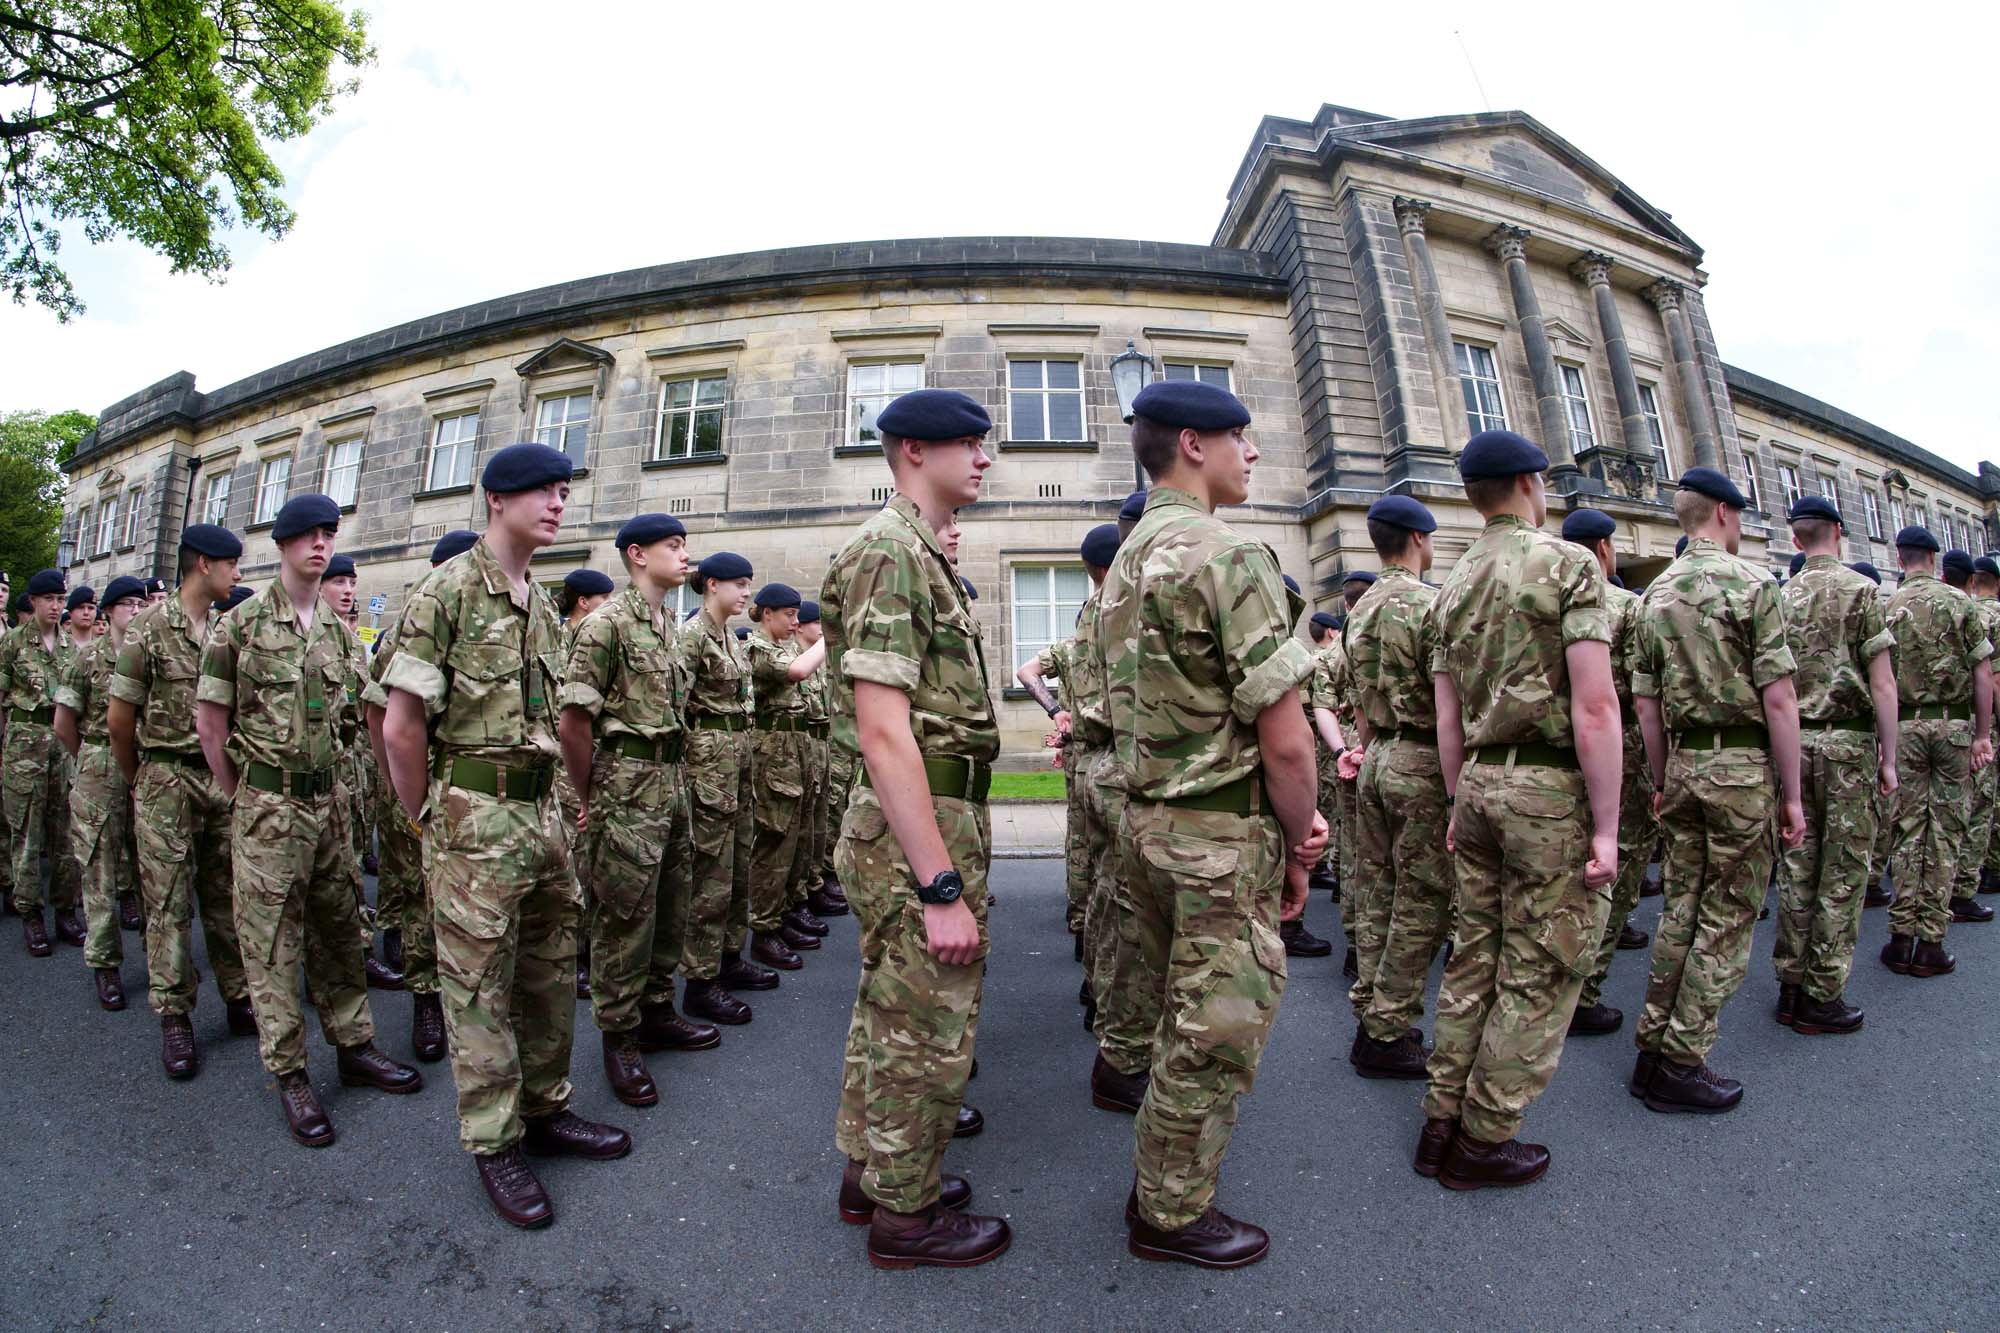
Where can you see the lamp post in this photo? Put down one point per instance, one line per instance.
(1131, 371)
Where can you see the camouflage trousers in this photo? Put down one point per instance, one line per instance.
(1638, 830)
(184, 835)
(507, 910)
(1076, 843)
(1205, 888)
(1716, 818)
(1347, 798)
(812, 851)
(1329, 803)
(1885, 834)
(358, 772)
(783, 819)
(1367, 888)
(294, 904)
(34, 785)
(100, 835)
(636, 851)
(1978, 832)
(840, 762)
(1933, 815)
(1991, 814)
(720, 801)
(1819, 904)
(1403, 818)
(1124, 981)
(1095, 837)
(1528, 929)
(916, 1020)
(401, 900)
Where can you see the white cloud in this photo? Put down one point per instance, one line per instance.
(1830, 161)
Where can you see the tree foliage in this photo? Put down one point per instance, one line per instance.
(33, 448)
(148, 119)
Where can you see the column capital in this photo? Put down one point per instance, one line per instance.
(1410, 214)
(1665, 294)
(1593, 268)
(1508, 242)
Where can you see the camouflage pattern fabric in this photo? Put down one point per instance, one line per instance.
(100, 805)
(34, 770)
(1058, 663)
(896, 615)
(1196, 632)
(1528, 924)
(1638, 830)
(815, 849)
(485, 664)
(402, 902)
(1982, 786)
(623, 672)
(720, 771)
(1940, 640)
(1319, 694)
(779, 760)
(840, 765)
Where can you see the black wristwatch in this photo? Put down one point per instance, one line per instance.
(944, 889)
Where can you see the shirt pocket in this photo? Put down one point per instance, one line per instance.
(271, 683)
(486, 705)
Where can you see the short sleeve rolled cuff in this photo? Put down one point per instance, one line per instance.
(412, 675)
(580, 694)
(1581, 624)
(374, 696)
(124, 687)
(65, 696)
(1770, 666)
(891, 669)
(1878, 645)
(215, 690)
(1267, 682)
(1983, 650)
(1050, 664)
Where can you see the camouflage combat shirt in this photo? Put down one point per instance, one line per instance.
(1389, 653)
(1711, 636)
(624, 671)
(718, 670)
(85, 689)
(776, 694)
(1835, 627)
(286, 687)
(28, 670)
(156, 673)
(1940, 639)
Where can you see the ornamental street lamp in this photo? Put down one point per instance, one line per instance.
(1131, 371)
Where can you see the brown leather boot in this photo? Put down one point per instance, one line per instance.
(1213, 1240)
(825, 904)
(1631, 937)
(303, 1114)
(968, 1122)
(364, 1066)
(1696, 1088)
(738, 973)
(34, 934)
(427, 1039)
(662, 1029)
(1930, 960)
(1432, 1145)
(796, 938)
(1835, 1017)
(567, 1134)
(1595, 1020)
(1788, 1001)
(1962, 909)
(1897, 953)
(937, 1237)
(771, 949)
(857, 1209)
(707, 999)
(241, 1015)
(1111, 1090)
(128, 912)
(379, 974)
(69, 927)
(516, 1194)
(802, 918)
(1302, 943)
(1470, 1164)
(1642, 1073)
(625, 1070)
(1401, 1058)
(392, 949)
(583, 972)
(110, 988)
(177, 1048)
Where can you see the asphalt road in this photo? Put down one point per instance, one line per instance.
(1854, 1188)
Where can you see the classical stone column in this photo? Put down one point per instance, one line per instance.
(1595, 271)
(1511, 245)
(1666, 295)
(1430, 305)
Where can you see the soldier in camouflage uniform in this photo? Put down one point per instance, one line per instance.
(352, 766)
(34, 772)
(179, 809)
(100, 799)
(1985, 589)
(1885, 806)
(1057, 662)
(915, 844)
(623, 745)
(1347, 766)
(1958, 569)
(1944, 685)
(272, 699)
(720, 763)
(582, 592)
(478, 668)
(780, 754)
(1713, 687)
(1220, 820)
(807, 892)
(1638, 830)
(1528, 742)
(1847, 722)
(1403, 903)
(1328, 741)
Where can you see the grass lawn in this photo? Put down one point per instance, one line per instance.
(1027, 786)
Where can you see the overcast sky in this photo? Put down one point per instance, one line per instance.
(1829, 158)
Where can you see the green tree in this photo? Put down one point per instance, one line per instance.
(33, 448)
(132, 117)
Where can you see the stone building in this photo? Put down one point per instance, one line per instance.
(1376, 291)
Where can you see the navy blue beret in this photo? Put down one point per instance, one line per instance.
(456, 542)
(1864, 567)
(216, 543)
(237, 596)
(1958, 560)
(23, 605)
(808, 612)
(302, 513)
(970, 591)
(1917, 536)
(1717, 487)
(1615, 581)
(45, 582)
(1585, 526)
(1500, 453)
(1100, 545)
(1357, 576)
(1986, 564)
(121, 588)
(1325, 620)
(723, 565)
(155, 585)
(523, 467)
(742, 633)
(340, 567)
(65, 617)
(1291, 583)
(589, 582)
(1814, 506)
(645, 529)
(1134, 506)
(933, 414)
(777, 596)
(81, 595)
(1798, 562)
(1191, 405)
(1402, 512)
(1680, 546)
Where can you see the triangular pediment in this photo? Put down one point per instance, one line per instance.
(564, 354)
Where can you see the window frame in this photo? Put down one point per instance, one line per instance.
(1047, 395)
(1050, 602)
(210, 513)
(1791, 484)
(327, 469)
(1228, 371)
(579, 460)
(470, 445)
(1871, 513)
(1476, 416)
(107, 525)
(851, 427)
(86, 527)
(1656, 426)
(135, 501)
(695, 408)
(262, 515)
(1585, 441)
(1756, 496)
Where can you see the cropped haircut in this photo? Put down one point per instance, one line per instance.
(1694, 510)
(1488, 494)
(1390, 540)
(1156, 445)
